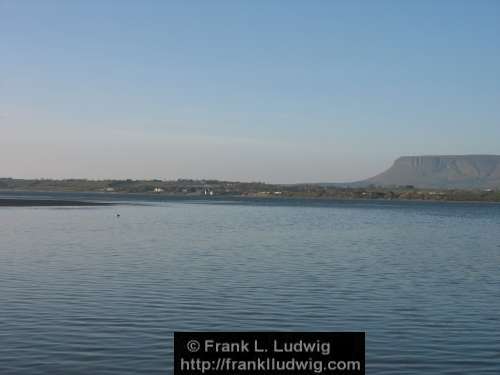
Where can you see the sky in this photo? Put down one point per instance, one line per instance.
(279, 91)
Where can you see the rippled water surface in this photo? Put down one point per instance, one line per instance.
(84, 291)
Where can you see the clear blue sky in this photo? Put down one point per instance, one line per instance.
(278, 91)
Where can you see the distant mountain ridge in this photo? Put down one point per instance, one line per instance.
(441, 171)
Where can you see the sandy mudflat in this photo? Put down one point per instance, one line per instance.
(16, 202)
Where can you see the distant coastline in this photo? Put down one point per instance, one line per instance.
(216, 188)
(20, 202)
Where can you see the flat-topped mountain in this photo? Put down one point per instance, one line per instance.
(441, 171)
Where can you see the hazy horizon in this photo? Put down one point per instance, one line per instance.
(242, 90)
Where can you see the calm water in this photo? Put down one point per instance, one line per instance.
(82, 291)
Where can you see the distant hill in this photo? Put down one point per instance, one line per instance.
(441, 171)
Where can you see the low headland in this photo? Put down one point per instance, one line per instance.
(19, 202)
(216, 188)
(461, 178)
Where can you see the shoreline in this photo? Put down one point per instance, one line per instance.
(48, 202)
(19, 202)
